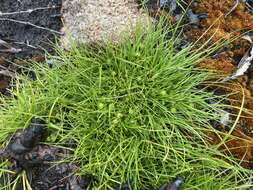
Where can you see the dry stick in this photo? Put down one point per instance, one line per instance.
(26, 44)
(4, 43)
(3, 67)
(31, 24)
(10, 48)
(28, 11)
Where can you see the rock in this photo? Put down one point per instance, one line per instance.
(175, 185)
(90, 21)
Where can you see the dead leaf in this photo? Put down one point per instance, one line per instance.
(244, 63)
(3, 84)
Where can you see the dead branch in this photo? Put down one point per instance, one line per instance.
(28, 11)
(31, 24)
(9, 49)
(26, 44)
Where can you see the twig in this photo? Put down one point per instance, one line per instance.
(28, 11)
(31, 24)
(10, 48)
(4, 43)
(26, 44)
(3, 67)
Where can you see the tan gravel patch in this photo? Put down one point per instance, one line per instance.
(93, 20)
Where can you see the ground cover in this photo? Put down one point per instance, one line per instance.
(126, 114)
(37, 24)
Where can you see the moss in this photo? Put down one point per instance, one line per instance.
(219, 27)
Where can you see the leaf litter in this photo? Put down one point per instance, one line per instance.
(174, 185)
(171, 4)
(234, 60)
(244, 64)
(42, 163)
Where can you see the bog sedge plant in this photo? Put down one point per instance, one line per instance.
(135, 110)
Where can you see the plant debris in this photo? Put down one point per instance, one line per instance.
(225, 118)
(248, 3)
(170, 4)
(27, 28)
(244, 64)
(25, 152)
(125, 186)
(24, 141)
(233, 8)
(8, 48)
(27, 31)
(231, 59)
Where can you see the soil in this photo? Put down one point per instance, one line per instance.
(27, 29)
(29, 26)
(26, 151)
(89, 21)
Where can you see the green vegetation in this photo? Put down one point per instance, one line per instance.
(136, 111)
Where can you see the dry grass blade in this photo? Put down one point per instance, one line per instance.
(27, 11)
(233, 8)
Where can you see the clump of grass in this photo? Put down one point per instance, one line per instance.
(135, 111)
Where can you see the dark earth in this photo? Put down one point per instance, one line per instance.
(26, 152)
(29, 26)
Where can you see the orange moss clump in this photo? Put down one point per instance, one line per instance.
(238, 20)
(218, 27)
(221, 65)
(240, 146)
